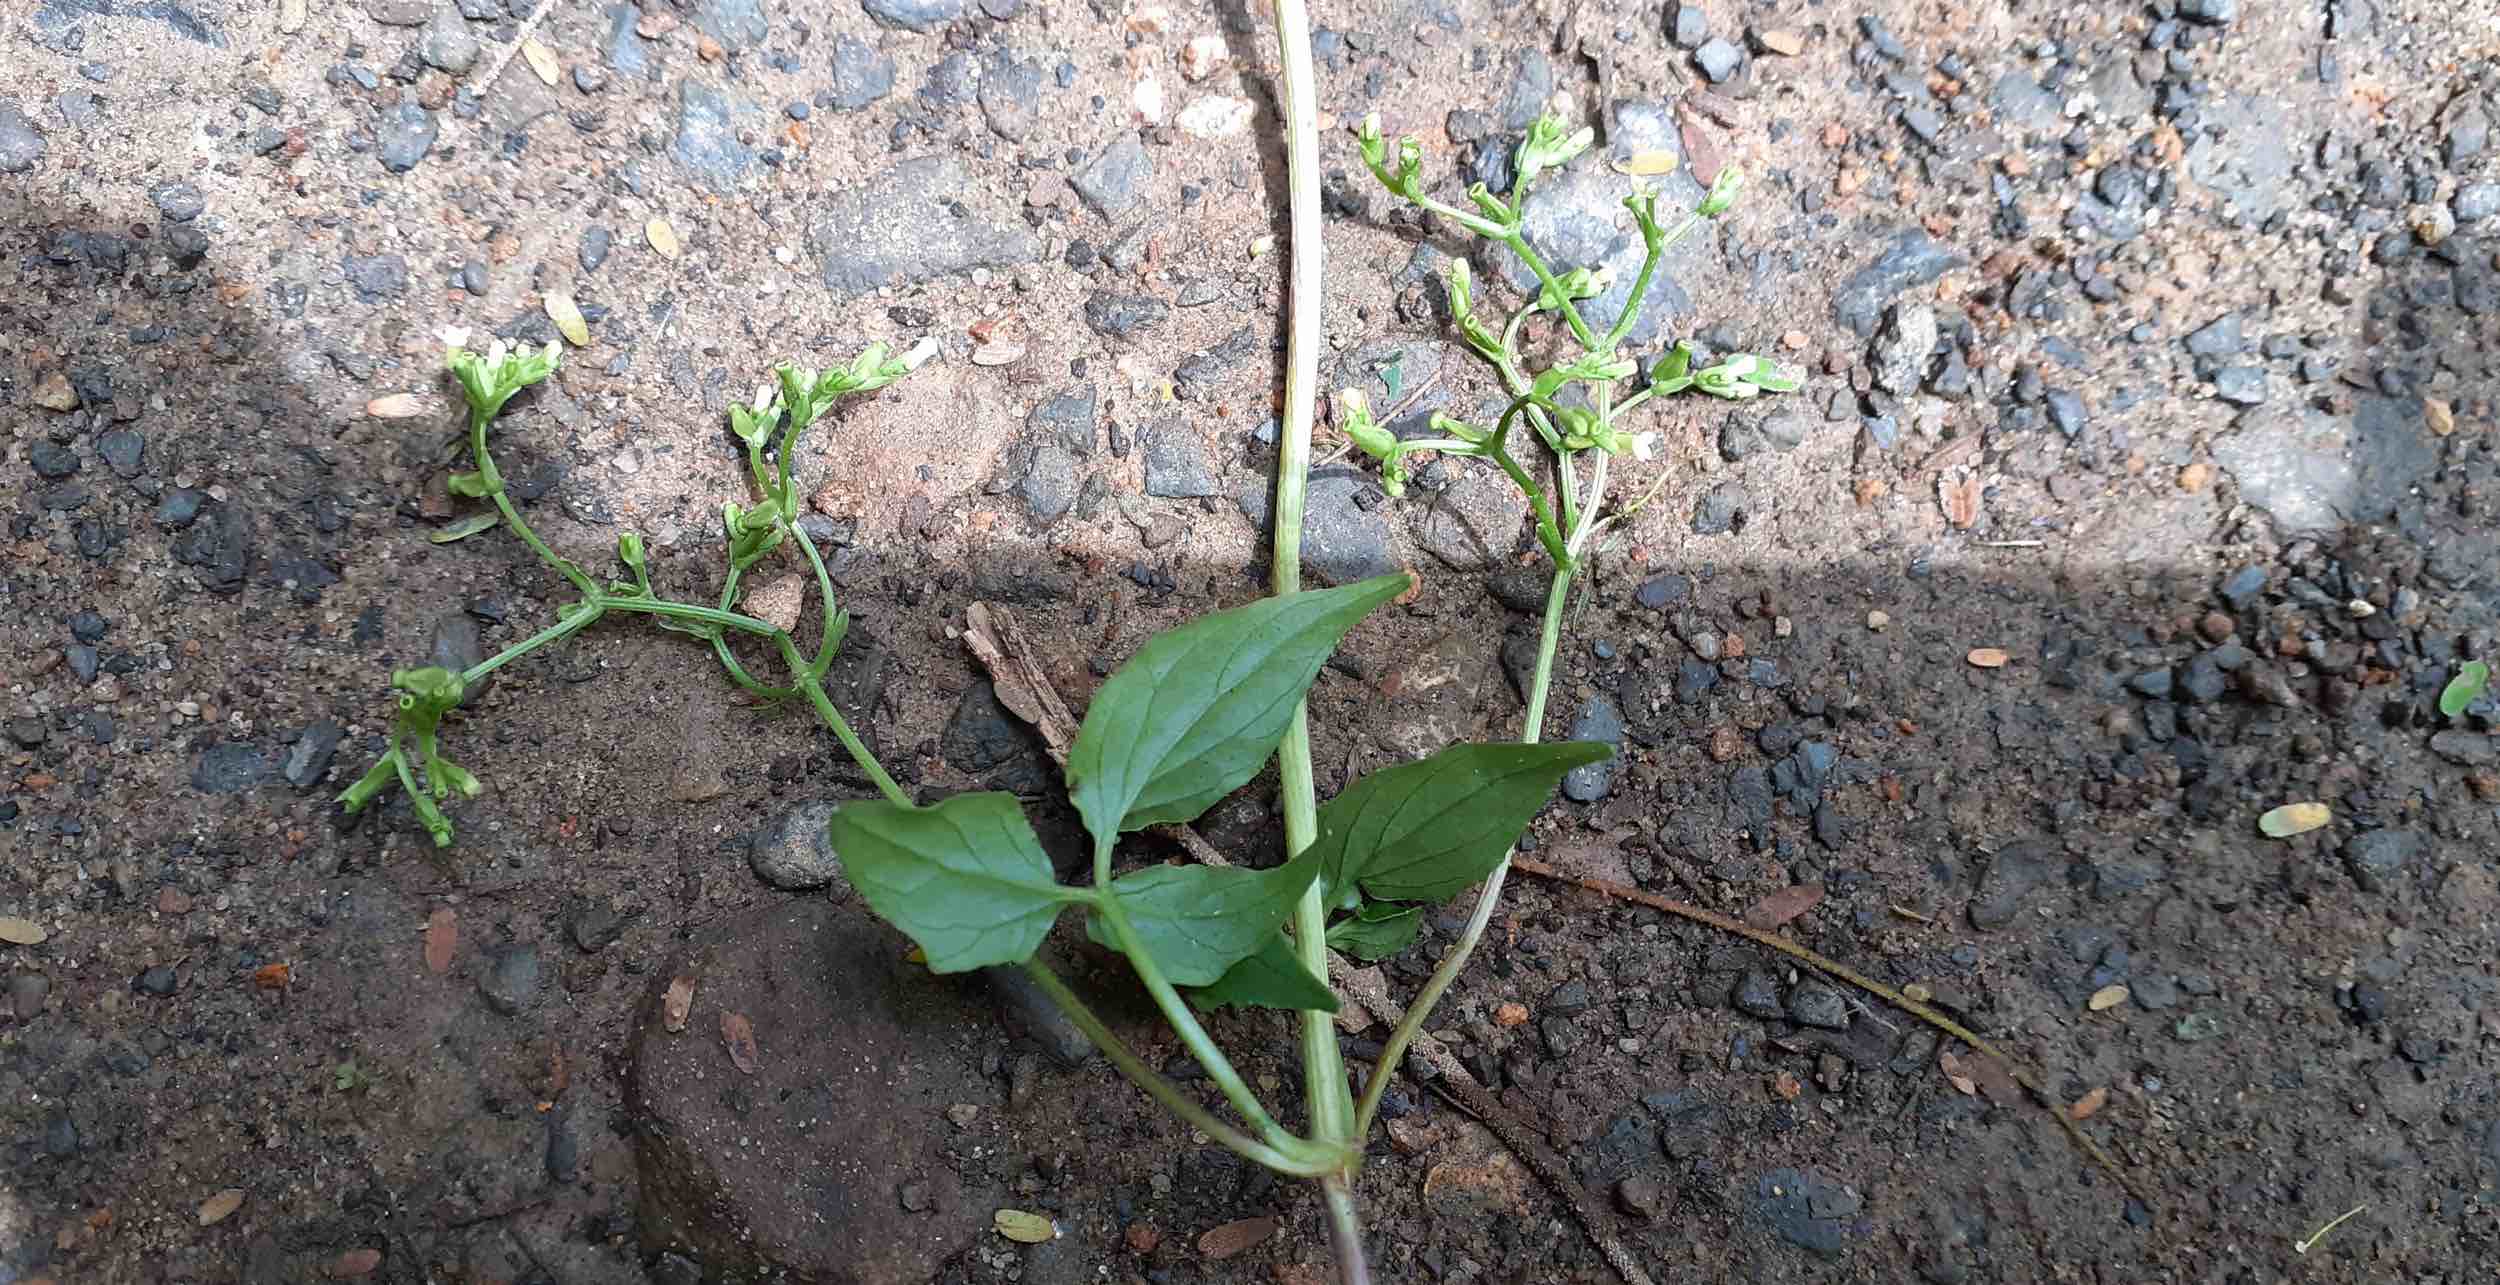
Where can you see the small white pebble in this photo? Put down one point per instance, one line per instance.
(1878, 621)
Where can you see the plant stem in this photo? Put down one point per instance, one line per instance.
(1323, 1065)
(1345, 1230)
(1161, 1089)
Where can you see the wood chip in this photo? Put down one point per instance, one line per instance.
(1648, 162)
(738, 1034)
(1024, 1228)
(1987, 657)
(272, 977)
(676, 1002)
(2088, 1105)
(541, 60)
(1510, 1014)
(663, 238)
(21, 932)
(2294, 818)
(1959, 497)
(1784, 905)
(1220, 1243)
(568, 318)
(2106, 998)
(398, 406)
(442, 940)
(220, 1207)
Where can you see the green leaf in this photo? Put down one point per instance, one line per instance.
(1198, 921)
(1200, 708)
(966, 880)
(473, 485)
(2465, 688)
(466, 527)
(1424, 831)
(1272, 977)
(1377, 930)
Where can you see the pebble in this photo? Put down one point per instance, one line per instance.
(1806, 1209)
(2241, 385)
(1911, 259)
(2067, 412)
(593, 251)
(403, 137)
(158, 981)
(510, 983)
(1718, 59)
(2017, 871)
(1817, 1005)
(1757, 994)
(1030, 1009)
(1902, 351)
(914, 15)
(2221, 337)
(712, 127)
(873, 235)
(1113, 183)
(51, 460)
(1688, 25)
(862, 74)
(1123, 316)
(2210, 13)
(314, 749)
(1602, 722)
(1177, 467)
(455, 644)
(21, 144)
(447, 45)
(2475, 202)
(26, 995)
(1721, 509)
(180, 202)
(795, 851)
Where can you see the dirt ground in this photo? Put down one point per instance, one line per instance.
(2149, 345)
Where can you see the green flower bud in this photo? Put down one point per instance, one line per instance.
(1722, 197)
(630, 552)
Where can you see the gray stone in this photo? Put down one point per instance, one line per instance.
(1925, 123)
(403, 136)
(1786, 430)
(1817, 1005)
(1030, 1009)
(1530, 90)
(2468, 749)
(26, 995)
(1050, 484)
(1575, 219)
(1123, 316)
(2241, 385)
(1177, 467)
(2475, 202)
(903, 227)
(624, 48)
(218, 545)
(2255, 168)
(1911, 258)
(1601, 722)
(595, 246)
(377, 276)
(180, 202)
(862, 74)
(2019, 100)
(2469, 133)
(795, 851)
(21, 144)
(1718, 59)
(448, 46)
(230, 768)
(2211, 13)
(735, 24)
(2377, 858)
(510, 982)
(1688, 25)
(1067, 419)
(2221, 337)
(1011, 97)
(309, 760)
(400, 13)
(1757, 994)
(455, 644)
(706, 142)
(2294, 468)
(1473, 523)
(914, 15)
(2067, 412)
(1345, 533)
(1114, 181)
(1806, 1209)
(1901, 352)
(1722, 509)
(2017, 871)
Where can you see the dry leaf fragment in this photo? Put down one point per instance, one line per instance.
(541, 59)
(1784, 905)
(2106, 998)
(21, 932)
(2294, 818)
(354, 1263)
(1220, 1243)
(1510, 1014)
(442, 938)
(2089, 1104)
(1959, 497)
(1987, 657)
(1787, 44)
(739, 1034)
(220, 1207)
(272, 977)
(568, 318)
(663, 238)
(397, 406)
(676, 1003)
(1954, 1075)
(1024, 1228)
(1786, 1085)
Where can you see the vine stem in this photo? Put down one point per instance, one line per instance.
(1323, 1063)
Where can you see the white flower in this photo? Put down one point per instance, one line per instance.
(1644, 445)
(496, 352)
(762, 401)
(455, 337)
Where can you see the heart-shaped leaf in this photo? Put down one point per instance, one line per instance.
(966, 880)
(1199, 921)
(1376, 930)
(2464, 689)
(1426, 830)
(1199, 709)
(1270, 977)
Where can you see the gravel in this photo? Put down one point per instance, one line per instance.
(708, 141)
(510, 984)
(403, 136)
(1600, 721)
(1177, 467)
(1114, 181)
(862, 74)
(1722, 509)
(1718, 59)
(21, 144)
(1123, 316)
(795, 851)
(915, 222)
(1911, 258)
(447, 45)
(914, 15)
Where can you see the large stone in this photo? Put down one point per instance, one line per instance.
(1912, 258)
(2017, 870)
(707, 142)
(1345, 533)
(915, 222)
(794, 1171)
(2294, 468)
(1575, 219)
(1472, 524)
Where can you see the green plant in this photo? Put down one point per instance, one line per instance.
(412, 758)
